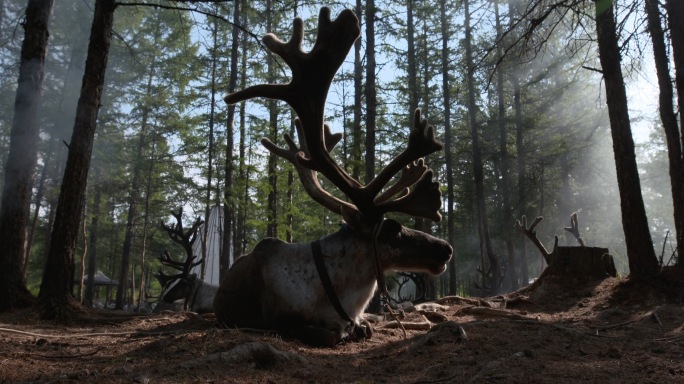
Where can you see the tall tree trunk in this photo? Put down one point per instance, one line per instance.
(272, 226)
(446, 94)
(133, 196)
(521, 154)
(504, 161)
(412, 72)
(290, 173)
(84, 251)
(371, 112)
(668, 117)
(210, 166)
(92, 249)
(55, 290)
(227, 248)
(492, 271)
(40, 192)
(358, 90)
(146, 220)
(675, 12)
(371, 95)
(640, 252)
(241, 227)
(23, 154)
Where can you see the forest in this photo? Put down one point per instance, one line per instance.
(519, 91)
(533, 148)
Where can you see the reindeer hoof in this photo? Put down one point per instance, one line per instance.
(361, 331)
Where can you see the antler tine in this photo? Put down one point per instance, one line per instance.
(164, 279)
(532, 234)
(409, 176)
(308, 177)
(312, 74)
(424, 200)
(192, 233)
(166, 259)
(420, 144)
(186, 240)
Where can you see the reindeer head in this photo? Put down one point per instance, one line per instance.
(414, 193)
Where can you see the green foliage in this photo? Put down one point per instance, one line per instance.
(156, 113)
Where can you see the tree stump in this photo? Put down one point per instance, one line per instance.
(581, 261)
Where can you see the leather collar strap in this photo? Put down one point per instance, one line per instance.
(325, 280)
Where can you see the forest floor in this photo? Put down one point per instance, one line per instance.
(611, 331)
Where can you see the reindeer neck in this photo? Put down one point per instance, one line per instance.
(348, 244)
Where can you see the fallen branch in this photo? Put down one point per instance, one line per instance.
(99, 334)
(411, 325)
(671, 338)
(464, 301)
(490, 312)
(606, 327)
(433, 317)
(69, 356)
(396, 318)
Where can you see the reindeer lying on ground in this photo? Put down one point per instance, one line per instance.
(197, 295)
(317, 291)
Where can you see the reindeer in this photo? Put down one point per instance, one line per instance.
(198, 296)
(316, 292)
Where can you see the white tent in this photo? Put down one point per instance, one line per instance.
(209, 271)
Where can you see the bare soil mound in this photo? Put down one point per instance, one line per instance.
(611, 331)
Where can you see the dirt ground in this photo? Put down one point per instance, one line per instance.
(612, 331)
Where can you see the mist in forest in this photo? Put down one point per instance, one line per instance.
(162, 120)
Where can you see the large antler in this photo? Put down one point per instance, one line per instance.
(532, 235)
(312, 74)
(186, 239)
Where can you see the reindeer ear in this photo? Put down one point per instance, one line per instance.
(389, 229)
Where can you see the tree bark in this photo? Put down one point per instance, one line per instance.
(228, 207)
(23, 154)
(371, 97)
(642, 259)
(55, 290)
(210, 158)
(272, 226)
(675, 12)
(241, 227)
(92, 249)
(668, 118)
(146, 222)
(358, 93)
(40, 192)
(371, 113)
(412, 72)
